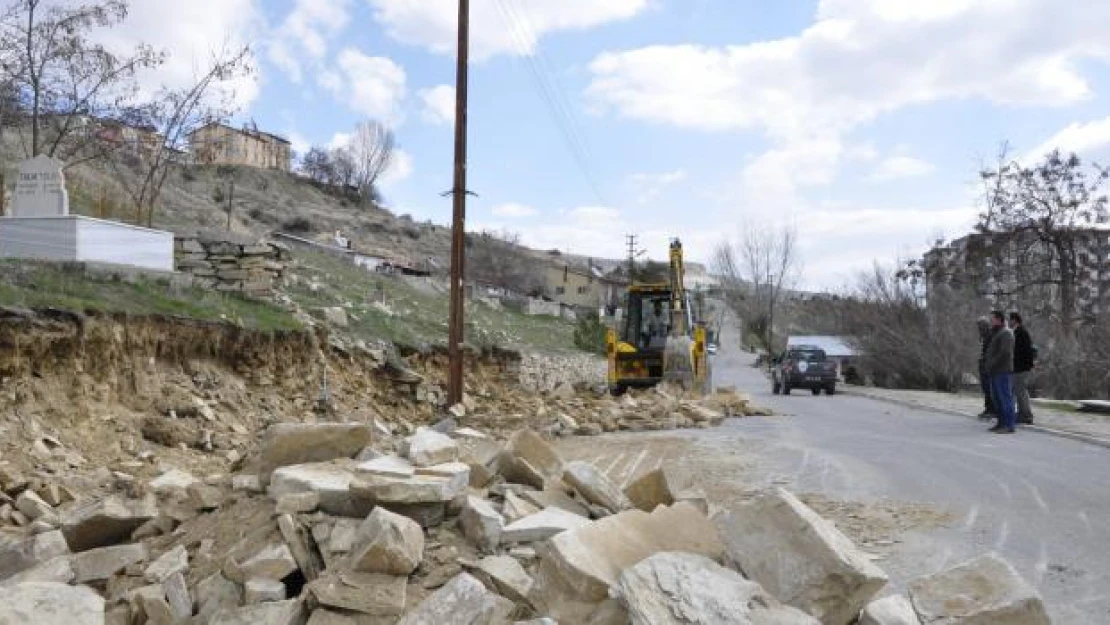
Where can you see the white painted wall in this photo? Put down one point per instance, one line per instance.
(76, 238)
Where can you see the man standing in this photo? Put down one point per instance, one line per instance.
(985, 333)
(1000, 366)
(1024, 361)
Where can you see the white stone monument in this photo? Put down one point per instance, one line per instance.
(40, 190)
(39, 226)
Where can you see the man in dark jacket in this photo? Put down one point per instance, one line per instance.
(1000, 366)
(1024, 360)
(984, 326)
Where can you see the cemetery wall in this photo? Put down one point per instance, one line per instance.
(231, 263)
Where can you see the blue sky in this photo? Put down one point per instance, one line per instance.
(861, 122)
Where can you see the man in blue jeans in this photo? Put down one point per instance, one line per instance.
(1000, 367)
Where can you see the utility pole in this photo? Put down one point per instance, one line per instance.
(230, 202)
(633, 254)
(458, 221)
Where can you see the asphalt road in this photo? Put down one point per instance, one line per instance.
(1041, 502)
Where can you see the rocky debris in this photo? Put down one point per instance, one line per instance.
(892, 610)
(505, 576)
(428, 447)
(595, 487)
(542, 525)
(175, 560)
(47, 603)
(171, 481)
(580, 566)
(105, 522)
(288, 444)
(684, 588)
(290, 612)
(98, 565)
(272, 562)
(555, 498)
(306, 553)
(29, 552)
(481, 524)
(56, 569)
(262, 590)
(293, 503)
(462, 601)
(388, 466)
(800, 558)
(332, 482)
(388, 543)
(34, 508)
(367, 594)
(528, 459)
(660, 487)
(984, 591)
(515, 508)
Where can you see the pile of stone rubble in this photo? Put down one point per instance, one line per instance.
(327, 525)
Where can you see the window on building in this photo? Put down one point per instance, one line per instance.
(582, 290)
(560, 290)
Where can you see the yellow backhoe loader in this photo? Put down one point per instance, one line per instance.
(661, 339)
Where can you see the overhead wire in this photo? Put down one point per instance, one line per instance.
(549, 89)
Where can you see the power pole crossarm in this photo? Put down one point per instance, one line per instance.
(458, 222)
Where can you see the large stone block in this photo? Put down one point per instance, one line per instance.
(105, 522)
(388, 543)
(892, 610)
(462, 601)
(481, 524)
(656, 488)
(331, 481)
(528, 459)
(984, 591)
(428, 447)
(291, 612)
(683, 589)
(800, 558)
(50, 604)
(579, 566)
(97, 565)
(296, 443)
(369, 594)
(30, 552)
(418, 489)
(595, 487)
(541, 526)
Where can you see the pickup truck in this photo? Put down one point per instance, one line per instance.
(803, 367)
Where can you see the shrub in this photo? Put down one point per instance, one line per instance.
(297, 225)
(589, 334)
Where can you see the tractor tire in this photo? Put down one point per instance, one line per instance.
(830, 389)
(776, 388)
(816, 391)
(785, 389)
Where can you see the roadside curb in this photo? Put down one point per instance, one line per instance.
(1075, 436)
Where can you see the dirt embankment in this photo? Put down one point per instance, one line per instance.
(99, 383)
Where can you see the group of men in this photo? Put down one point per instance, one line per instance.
(1006, 360)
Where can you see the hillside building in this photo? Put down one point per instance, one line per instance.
(220, 144)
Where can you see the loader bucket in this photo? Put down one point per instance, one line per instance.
(678, 363)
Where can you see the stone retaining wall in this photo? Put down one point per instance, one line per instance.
(231, 263)
(546, 372)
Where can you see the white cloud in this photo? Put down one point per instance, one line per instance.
(860, 59)
(191, 32)
(648, 186)
(305, 32)
(1083, 139)
(371, 85)
(513, 210)
(497, 27)
(898, 167)
(439, 105)
(400, 170)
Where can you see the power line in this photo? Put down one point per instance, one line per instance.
(561, 113)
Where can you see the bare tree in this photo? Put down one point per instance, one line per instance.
(498, 259)
(371, 151)
(64, 78)
(756, 273)
(173, 115)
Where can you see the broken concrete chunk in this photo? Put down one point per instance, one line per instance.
(579, 566)
(288, 444)
(21, 555)
(555, 498)
(105, 522)
(370, 594)
(390, 466)
(528, 459)
(173, 561)
(505, 576)
(892, 610)
(800, 558)
(984, 591)
(681, 588)
(428, 447)
(171, 481)
(289, 612)
(259, 590)
(481, 524)
(541, 526)
(215, 593)
(462, 601)
(595, 487)
(418, 489)
(273, 562)
(45, 603)
(655, 488)
(297, 503)
(97, 565)
(388, 543)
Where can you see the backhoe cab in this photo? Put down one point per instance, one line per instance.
(661, 339)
